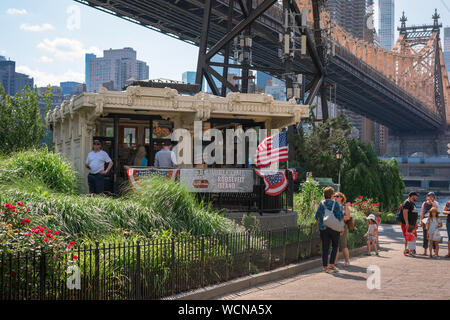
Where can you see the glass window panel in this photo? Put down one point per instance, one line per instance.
(126, 135)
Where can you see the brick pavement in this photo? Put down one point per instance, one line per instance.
(401, 277)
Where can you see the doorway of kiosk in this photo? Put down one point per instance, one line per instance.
(124, 134)
(107, 146)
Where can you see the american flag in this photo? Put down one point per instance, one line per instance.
(274, 180)
(272, 149)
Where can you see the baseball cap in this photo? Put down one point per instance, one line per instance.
(413, 193)
(431, 194)
(167, 143)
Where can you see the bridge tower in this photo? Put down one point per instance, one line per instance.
(422, 43)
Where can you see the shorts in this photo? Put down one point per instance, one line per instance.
(343, 238)
(404, 231)
(372, 238)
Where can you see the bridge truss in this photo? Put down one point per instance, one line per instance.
(297, 41)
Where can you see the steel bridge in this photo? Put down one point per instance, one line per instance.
(312, 45)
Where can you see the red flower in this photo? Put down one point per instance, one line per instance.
(28, 210)
(20, 203)
(45, 240)
(25, 221)
(56, 233)
(71, 243)
(74, 257)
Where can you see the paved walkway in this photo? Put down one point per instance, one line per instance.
(401, 277)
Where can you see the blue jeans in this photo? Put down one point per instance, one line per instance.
(96, 183)
(329, 236)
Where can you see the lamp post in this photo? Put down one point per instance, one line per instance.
(339, 159)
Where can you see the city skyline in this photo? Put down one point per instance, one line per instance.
(53, 43)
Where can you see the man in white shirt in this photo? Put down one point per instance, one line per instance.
(95, 162)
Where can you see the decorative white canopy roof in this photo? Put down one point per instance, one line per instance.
(169, 104)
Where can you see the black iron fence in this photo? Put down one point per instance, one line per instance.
(151, 269)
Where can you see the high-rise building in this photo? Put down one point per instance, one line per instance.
(386, 23)
(88, 56)
(188, 77)
(11, 80)
(447, 48)
(349, 14)
(116, 65)
(276, 88)
(70, 88)
(261, 78)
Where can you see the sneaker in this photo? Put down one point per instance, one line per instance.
(376, 253)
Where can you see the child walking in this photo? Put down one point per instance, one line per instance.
(433, 226)
(372, 234)
(411, 237)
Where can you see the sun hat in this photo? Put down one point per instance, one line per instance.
(372, 217)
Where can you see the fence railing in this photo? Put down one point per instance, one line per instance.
(151, 269)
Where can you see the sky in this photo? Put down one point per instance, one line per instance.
(49, 38)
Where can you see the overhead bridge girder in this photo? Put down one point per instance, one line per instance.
(396, 104)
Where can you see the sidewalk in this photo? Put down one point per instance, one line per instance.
(401, 277)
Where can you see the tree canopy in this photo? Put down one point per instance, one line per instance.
(362, 173)
(21, 123)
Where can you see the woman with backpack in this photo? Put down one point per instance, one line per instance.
(329, 222)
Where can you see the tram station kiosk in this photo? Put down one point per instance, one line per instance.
(146, 116)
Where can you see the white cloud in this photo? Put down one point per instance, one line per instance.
(45, 59)
(16, 11)
(36, 28)
(42, 78)
(67, 49)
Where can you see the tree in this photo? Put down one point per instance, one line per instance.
(316, 151)
(21, 123)
(362, 173)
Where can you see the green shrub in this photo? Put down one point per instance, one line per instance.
(306, 202)
(180, 208)
(50, 169)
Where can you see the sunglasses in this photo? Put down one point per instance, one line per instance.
(97, 144)
(338, 196)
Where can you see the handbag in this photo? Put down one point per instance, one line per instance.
(330, 220)
(350, 224)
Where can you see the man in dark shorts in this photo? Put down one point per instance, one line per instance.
(409, 216)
